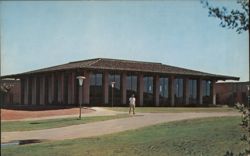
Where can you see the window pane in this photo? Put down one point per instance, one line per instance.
(179, 87)
(164, 87)
(148, 91)
(114, 93)
(98, 79)
(117, 81)
(134, 83)
(131, 86)
(92, 79)
(192, 88)
(96, 90)
(129, 83)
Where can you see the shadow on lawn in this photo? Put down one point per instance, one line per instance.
(22, 142)
(37, 108)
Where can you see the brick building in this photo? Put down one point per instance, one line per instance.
(9, 91)
(154, 84)
(231, 92)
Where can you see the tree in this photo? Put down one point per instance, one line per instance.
(239, 20)
(234, 19)
(245, 125)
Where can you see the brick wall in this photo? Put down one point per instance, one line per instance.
(13, 96)
(230, 93)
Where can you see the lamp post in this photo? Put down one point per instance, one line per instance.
(80, 80)
(112, 85)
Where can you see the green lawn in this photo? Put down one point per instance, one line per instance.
(208, 136)
(173, 109)
(8, 126)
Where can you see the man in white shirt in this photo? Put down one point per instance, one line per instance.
(132, 104)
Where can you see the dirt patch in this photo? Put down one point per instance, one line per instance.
(7, 114)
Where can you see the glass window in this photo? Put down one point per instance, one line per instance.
(148, 84)
(132, 82)
(131, 86)
(192, 88)
(206, 87)
(148, 91)
(98, 80)
(92, 79)
(178, 87)
(192, 91)
(163, 91)
(116, 79)
(178, 91)
(164, 87)
(116, 90)
(206, 98)
(96, 90)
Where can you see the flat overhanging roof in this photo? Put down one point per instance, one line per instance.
(125, 65)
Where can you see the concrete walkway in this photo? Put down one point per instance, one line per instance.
(107, 127)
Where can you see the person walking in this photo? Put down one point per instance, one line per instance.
(132, 104)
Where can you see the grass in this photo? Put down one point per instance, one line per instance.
(173, 109)
(206, 137)
(8, 126)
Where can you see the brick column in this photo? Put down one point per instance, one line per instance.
(70, 86)
(55, 81)
(140, 87)
(29, 90)
(156, 90)
(62, 89)
(213, 92)
(42, 90)
(106, 87)
(171, 90)
(26, 91)
(46, 90)
(200, 91)
(34, 90)
(124, 88)
(59, 88)
(73, 87)
(22, 91)
(86, 85)
(37, 90)
(186, 91)
(51, 88)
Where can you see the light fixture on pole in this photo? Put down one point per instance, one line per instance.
(80, 80)
(112, 85)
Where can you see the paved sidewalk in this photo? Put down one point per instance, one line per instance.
(107, 127)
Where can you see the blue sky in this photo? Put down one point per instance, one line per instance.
(179, 33)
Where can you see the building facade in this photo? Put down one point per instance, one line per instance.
(231, 93)
(9, 91)
(153, 84)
